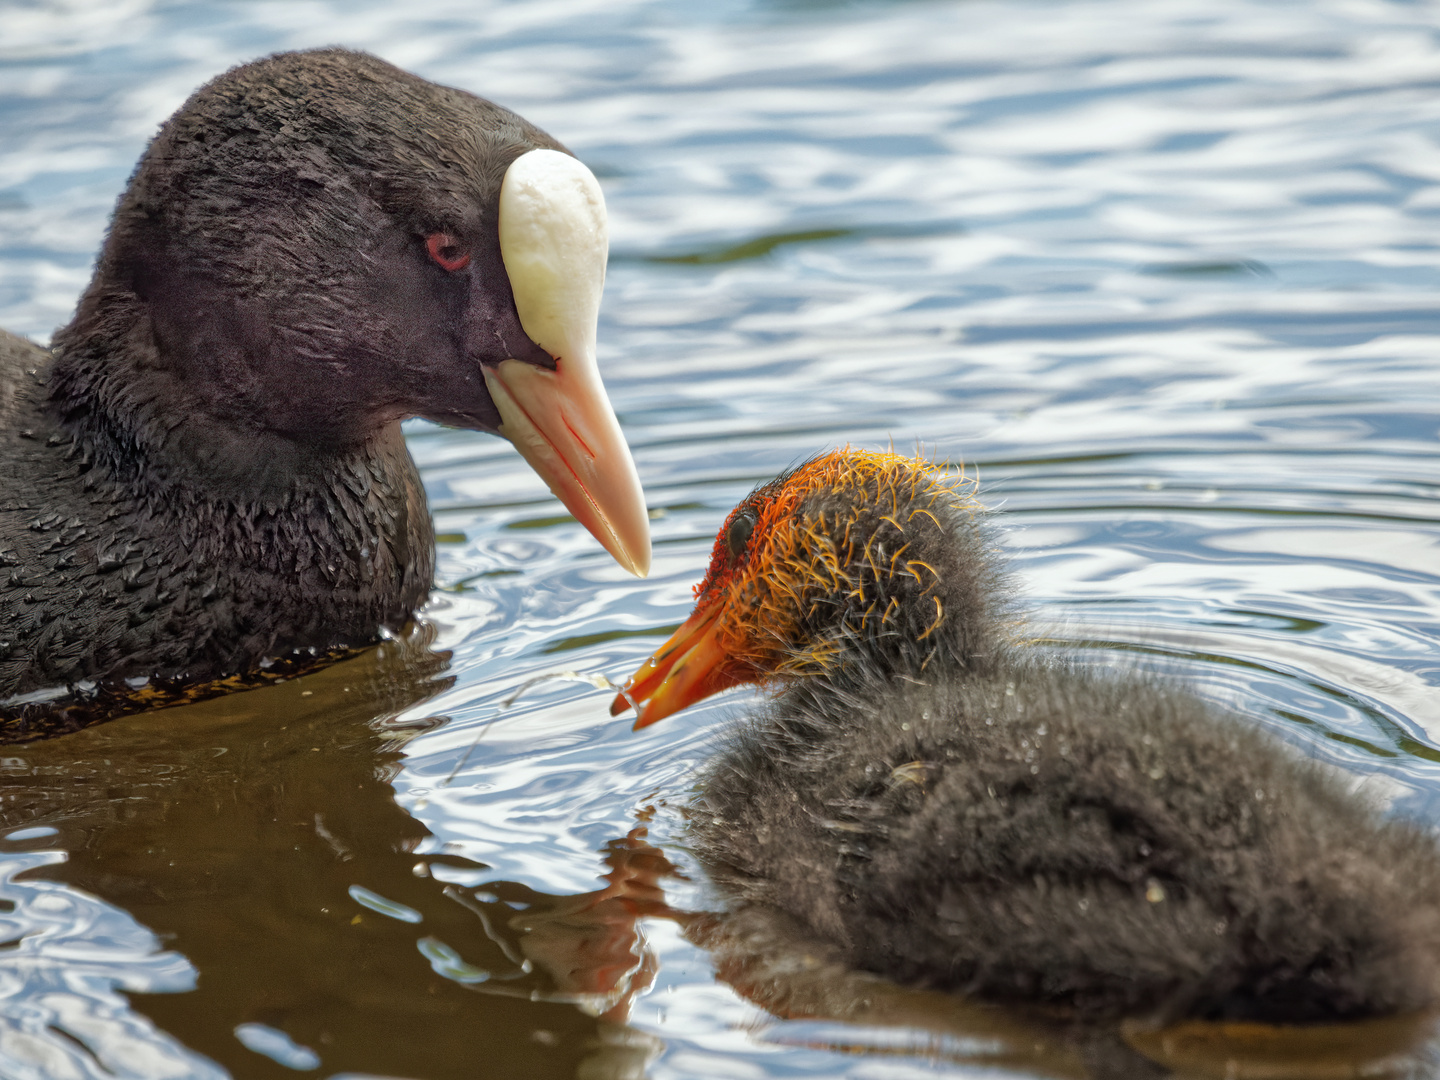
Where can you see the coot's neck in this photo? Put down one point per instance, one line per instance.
(333, 541)
(137, 412)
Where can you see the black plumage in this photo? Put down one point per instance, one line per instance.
(207, 471)
(956, 811)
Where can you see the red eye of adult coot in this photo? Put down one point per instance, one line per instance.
(447, 252)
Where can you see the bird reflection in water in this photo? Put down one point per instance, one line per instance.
(235, 829)
(586, 949)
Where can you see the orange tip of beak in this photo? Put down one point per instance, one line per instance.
(689, 667)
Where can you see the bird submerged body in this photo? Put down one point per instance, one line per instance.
(954, 811)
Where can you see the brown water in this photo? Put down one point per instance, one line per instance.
(1164, 275)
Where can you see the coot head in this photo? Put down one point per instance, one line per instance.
(318, 245)
(855, 565)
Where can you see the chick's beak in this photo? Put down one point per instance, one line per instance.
(554, 243)
(689, 667)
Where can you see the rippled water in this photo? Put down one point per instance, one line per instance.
(1161, 273)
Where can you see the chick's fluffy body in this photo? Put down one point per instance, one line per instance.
(963, 813)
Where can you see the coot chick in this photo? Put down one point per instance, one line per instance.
(952, 811)
(207, 470)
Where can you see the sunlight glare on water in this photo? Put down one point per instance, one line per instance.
(1161, 275)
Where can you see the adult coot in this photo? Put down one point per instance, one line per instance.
(954, 813)
(207, 468)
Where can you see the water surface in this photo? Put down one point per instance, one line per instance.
(1161, 274)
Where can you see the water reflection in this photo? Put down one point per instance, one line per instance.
(235, 830)
(587, 949)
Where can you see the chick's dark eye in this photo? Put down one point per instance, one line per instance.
(446, 252)
(738, 534)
